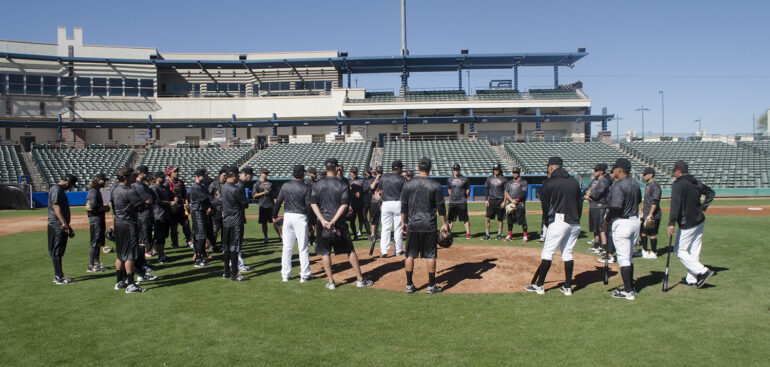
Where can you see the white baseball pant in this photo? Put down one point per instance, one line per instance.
(625, 232)
(390, 216)
(561, 235)
(295, 228)
(687, 248)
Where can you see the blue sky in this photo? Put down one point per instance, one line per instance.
(709, 57)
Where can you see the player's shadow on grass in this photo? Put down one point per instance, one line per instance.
(470, 270)
(587, 278)
(339, 266)
(380, 271)
(654, 278)
(192, 275)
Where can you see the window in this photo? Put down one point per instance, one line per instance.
(67, 86)
(328, 86)
(2, 83)
(50, 85)
(132, 87)
(99, 86)
(16, 83)
(146, 88)
(33, 84)
(301, 85)
(83, 86)
(116, 87)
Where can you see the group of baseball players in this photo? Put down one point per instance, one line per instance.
(323, 211)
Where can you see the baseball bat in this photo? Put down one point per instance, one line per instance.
(373, 241)
(606, 255)
(668, 259)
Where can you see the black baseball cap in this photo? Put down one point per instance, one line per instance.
(264, 171)
(312, 170)
(497, 167)
(456, 167)
(298, 171)
(72, 179)
(233, 170)
(681, 166)
(516, 170)
(200, 172)
(223, 170)
(600, 167)
(161, 174)
(555, 161)
(331, 163)
(378, 169)
(248, 171)
(143, 169)
(100, 176)
(396, 165)
(622, 163)
(425, 164)
(648, 170)
(354, 169)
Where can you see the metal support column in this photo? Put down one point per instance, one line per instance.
(516, 77)
(275, 125)
(233, 125)
(149, 126)
(555, 77)
(460, 78)
(405, 130)
(472, 126)
(350, 76)
(339, 123)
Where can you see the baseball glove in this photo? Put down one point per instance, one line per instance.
(106, 249)
(649, 223)
(510, 208)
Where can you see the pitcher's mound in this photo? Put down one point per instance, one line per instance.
(465, 269)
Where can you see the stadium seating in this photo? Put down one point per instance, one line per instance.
(716, 164)
(189, 159)
(53, 164)
(579, 158)
(10, 164)
(498, 94)
(759, 146)
(475, 157)
(554, 94)
(435, 96)
(280, 159)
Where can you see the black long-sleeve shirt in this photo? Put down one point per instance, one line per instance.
(357, 185)
(686, 208)
(234, 204)
(495, 187)
(625, 196)
(421, 199)
(391, 185)
(295, 197)
(562, 193)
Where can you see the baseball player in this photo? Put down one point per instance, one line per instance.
(389, 187)
(358, 191)
(59, 228)
(459, 188)
(563, 208)
(95, 208)
(162, 213)
(146, 219)
(200, 208)
(234, 204)
(516, 194)
(597, 207)
(329, 200)
(495, 186)
(622, 218)
(650, 212)
(687, 212)
(367, 201)
(265, 195)
(421, 199)
(216, 206)
(408, 175)
(544, 200)
(295, 196)
(178, 215)
(375, 205)
(312, 177)
(244, 177)
(127, 206)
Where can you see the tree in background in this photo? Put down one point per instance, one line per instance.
(762, 123)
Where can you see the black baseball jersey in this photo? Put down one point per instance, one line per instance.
(216, 194)
(495, 187)
(309, 182)
(545, 201)
(600, 188)
(458, 188)
(95, 202)
(367, 183)
(421, 199)
(145, 194)
(357, 185)
(686, 208)
(127, 204)
(200, 201)
(391, 185)
(329, 193)
(517, 189)
(265, 201)
(177, 188)
(295, 197)
(652, 194)
(625, 196)
(562, 193)
(234, 204)
(162, 212)
(58, 196)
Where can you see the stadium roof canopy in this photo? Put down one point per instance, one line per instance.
(354, 65)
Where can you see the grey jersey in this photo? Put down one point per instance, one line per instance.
(625, 196)
(329, 193)
(295, 197)
(95, 203)
(495, 187)
(391, 185)
(58, 196)
(600, 189)
(199, 198)
(517, 189)
(458, 189)
(265, 201)
(234, 204)
(421, 199)
(652, 194)
(127, 204)
(159, 211)
(145, 194)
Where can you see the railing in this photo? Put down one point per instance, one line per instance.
(259, 94)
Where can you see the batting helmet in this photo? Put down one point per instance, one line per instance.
(445, 239)
(497, 167)
(110, 235)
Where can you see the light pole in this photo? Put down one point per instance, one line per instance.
(662, 115)
(617, 127)
(642, 109)
(698, 121)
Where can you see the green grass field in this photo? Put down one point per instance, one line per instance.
(192, 316)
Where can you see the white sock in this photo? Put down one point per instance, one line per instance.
(487, 232)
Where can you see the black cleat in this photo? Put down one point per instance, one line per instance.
(486, 237)
(702, 278)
